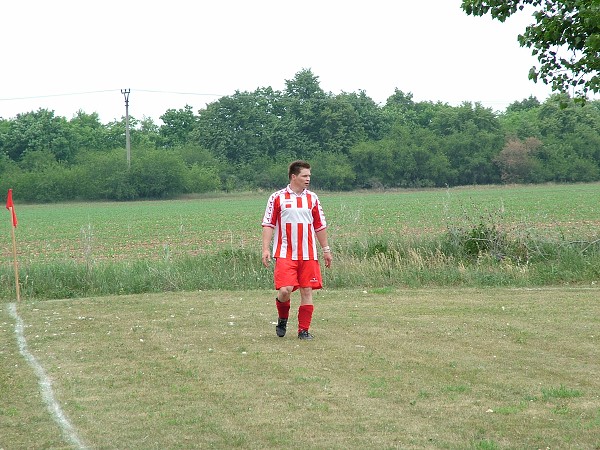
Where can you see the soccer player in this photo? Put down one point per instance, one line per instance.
(293, 219)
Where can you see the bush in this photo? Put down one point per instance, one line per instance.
(105, 176)
(333, 172)
(201, 179)
(56, 183)
(157, 174)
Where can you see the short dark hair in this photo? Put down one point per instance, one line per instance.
(296, 167)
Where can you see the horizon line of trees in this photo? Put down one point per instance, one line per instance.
(246, 140)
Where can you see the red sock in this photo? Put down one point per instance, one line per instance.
(283, 309)
(305, 313)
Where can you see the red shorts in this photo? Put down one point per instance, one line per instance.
(299, 274)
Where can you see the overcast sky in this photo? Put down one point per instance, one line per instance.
(67, 55)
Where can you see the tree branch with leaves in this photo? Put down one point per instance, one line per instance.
(565, 38)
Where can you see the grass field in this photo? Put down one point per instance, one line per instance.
(458, 361)
(427, 368)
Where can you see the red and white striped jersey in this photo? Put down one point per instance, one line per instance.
(296, 219)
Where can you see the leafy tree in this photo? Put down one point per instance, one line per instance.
(437, 171)
(373, 163)
(566, 123)
(570, 133)
(115, 132)
(246, 141)
(561, 164)
(264, 172)
(433, 162)
(143, 133)
(177, 126)
(192, 154)
(4, 125)
(515, 160)
(9, 170)
(339, 125)
(560, 117)
(347, 119)
(565, 38)
(406, 159)
(333, 171)
(38, 131)
(288, 139)
(471, 136)
(37, 161)
(305, 103)
(147, 133)
(400, 108)
(586, 141)
(89, 133)
(304, 87)
(521, 123)
(325, 122)
(556, 118)
(370, 114)
(471, 154)
(240, 127)
(524, 105)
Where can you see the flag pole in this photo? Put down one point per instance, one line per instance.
(14, 243)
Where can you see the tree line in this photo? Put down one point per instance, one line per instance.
(246, 140)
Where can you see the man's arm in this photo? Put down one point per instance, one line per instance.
(267, 236)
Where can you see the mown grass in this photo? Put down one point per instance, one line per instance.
(485, 236)
(491, 368)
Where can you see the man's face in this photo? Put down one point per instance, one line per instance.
(302, 180)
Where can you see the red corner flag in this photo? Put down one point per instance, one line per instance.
(11, 207)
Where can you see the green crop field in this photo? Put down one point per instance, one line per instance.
(157, 229)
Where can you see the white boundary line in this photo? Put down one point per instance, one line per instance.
(44, 382)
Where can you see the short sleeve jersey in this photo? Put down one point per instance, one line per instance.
(296, 219)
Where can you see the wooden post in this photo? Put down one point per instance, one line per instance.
(126, 93)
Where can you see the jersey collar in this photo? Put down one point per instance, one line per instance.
(291, 191)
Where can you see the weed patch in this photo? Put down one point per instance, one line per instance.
(561, 392)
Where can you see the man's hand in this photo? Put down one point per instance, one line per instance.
(266, 258)
(267, 235)
(328, 257)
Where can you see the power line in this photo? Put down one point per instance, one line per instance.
(70, 94)
(179, 93)
(57, 95)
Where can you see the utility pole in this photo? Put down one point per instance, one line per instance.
(126, 92)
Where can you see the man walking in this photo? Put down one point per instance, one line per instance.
(292, 220)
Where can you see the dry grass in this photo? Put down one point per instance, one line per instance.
(482, 369)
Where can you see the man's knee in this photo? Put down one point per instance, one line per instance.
(285, 292)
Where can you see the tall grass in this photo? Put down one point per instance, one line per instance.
(442, 261)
